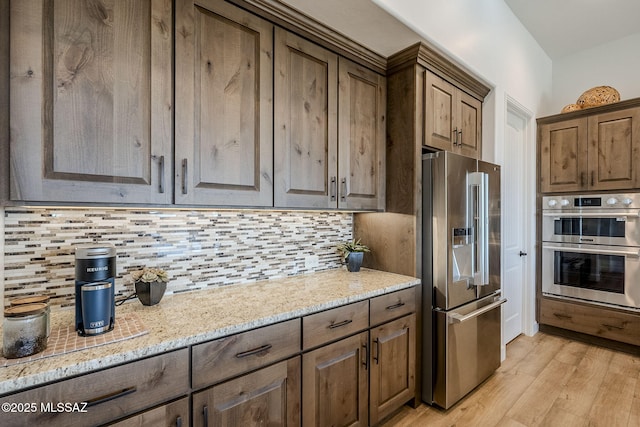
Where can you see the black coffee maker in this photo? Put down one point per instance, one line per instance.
(95, 280)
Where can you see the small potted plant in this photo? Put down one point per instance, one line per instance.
(353, 253)
(150, 284)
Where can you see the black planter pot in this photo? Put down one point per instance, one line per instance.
(150, 293)
(354, 261)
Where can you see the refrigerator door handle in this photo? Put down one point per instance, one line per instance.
(479, 213)
(483, 229)
(459, 318)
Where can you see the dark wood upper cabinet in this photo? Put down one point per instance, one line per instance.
(91, 107)
(306, 123)
(452, 118)
(591, 150)
(223, 121)
(329, 128)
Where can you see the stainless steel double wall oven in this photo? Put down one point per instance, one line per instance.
(591, 248)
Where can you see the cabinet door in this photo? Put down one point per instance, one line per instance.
(469, 125)
(614, 150)
(361, 137)
(563, 156)
(305, 115)
(440, 109)
(267, 397)
(223, 118)
(91, 101)
(174, 414)
(393, 360)
(335, 384)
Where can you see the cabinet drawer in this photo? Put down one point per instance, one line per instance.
(227, 357)
(393, 305)
(174, 414)
(111, 394)
(601, 322)
(334, 324)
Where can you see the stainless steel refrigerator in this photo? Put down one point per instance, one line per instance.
(461, 330)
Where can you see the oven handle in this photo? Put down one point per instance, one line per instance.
(591, 215)
(635, 254)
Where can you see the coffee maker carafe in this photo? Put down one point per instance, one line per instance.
(95, 281)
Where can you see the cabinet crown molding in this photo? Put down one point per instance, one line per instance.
(560, 117)
(433, 59)
(314, 30)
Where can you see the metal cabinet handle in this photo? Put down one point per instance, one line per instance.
(334, 185)
(455, 136)
(343, 189)
(375, 354)
(592, 179)
(111, 396)
(205, 415)
(339, 324)
(394, 306)
(161, 166)
(178, 421)
(184, 176)
(522, 253)
(460, 138)
(254, 351)
(365, 353)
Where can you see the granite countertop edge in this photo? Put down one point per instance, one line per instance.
(327, 291)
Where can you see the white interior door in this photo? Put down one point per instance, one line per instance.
(515, 223)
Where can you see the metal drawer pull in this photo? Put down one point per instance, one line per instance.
(343, 189)
(205, 415)
(562, 316)
(111, 396)
(375, 357)
(337, 325)
(620, 328)
(254, 351)
(178, 421)
(394, 306)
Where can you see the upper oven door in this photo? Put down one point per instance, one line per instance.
(616, 228)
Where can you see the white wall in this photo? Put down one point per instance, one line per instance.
(614, 64)
(489, 40)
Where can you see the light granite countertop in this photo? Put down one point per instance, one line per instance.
(189, 318)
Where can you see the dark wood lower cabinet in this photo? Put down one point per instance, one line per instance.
(267, 397)
(392, 376)
(110, 394)
(174, 414)
(335, 385)
(601, 322)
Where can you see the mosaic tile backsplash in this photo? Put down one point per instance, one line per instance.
(199, 249)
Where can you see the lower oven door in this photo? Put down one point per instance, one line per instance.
(602, 274)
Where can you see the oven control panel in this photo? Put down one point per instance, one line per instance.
(592, 201)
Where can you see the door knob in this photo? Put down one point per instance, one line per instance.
(523, 253)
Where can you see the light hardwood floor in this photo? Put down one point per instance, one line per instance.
(545, 380)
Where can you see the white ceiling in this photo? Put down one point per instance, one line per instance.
(564, 27)
(561, 27)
